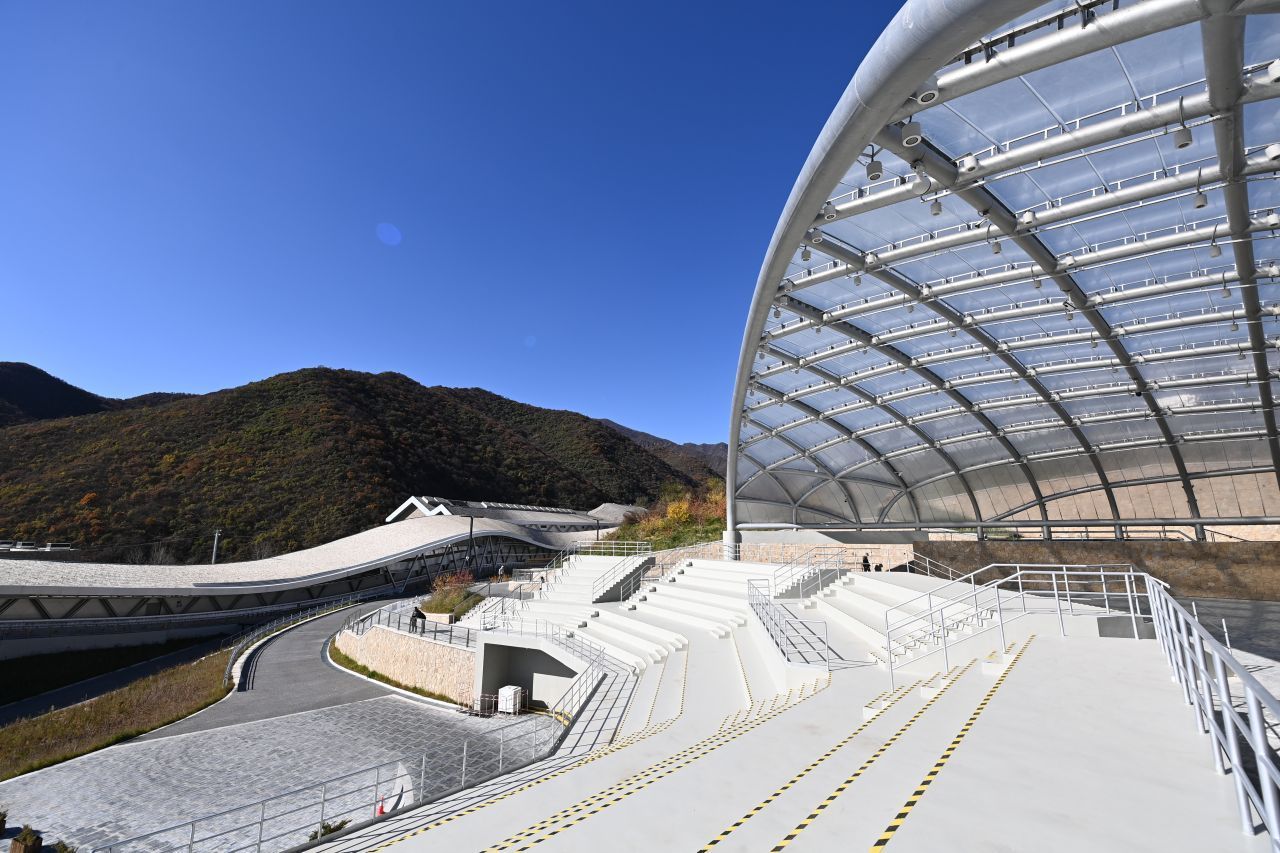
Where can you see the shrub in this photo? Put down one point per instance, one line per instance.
(326, 828)
(63, 847)
(28, 835)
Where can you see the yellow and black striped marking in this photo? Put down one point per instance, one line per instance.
(639, 781)
(612, 748)
(887, 835)
(875, 756)
(893, 698)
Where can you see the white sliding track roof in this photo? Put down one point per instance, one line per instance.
(1028, 275)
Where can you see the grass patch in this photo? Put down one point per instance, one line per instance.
(136, 708)
(347, 662)
(36, 674)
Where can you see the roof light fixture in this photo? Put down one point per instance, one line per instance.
(911, 134)
(805, 254)
(1235, 327)
(995, 247)
(777, 313)
(967, 163)
(935, 209)
(857, 279)
(1272, 73)
(1272, 151)
(828, 211)
(928, 91)
(875, 170)
(1215, 250)
(1182, 136)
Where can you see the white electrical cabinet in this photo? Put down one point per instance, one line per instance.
(510, 699)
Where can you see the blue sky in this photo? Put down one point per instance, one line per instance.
(566, 204)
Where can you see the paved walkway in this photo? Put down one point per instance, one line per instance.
(285, 675)
(301, 722)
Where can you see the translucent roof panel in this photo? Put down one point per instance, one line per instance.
(1034, 270)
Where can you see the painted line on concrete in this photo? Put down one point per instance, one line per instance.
(853, 777)
(612, 795)
(896, 823)
(895, 697)
(647, 732)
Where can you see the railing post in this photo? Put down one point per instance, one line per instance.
(422, 779)
(464, 763)
(262, 817)
(1232, 738)
(1133, 604)
(1000, 616)
(1261, 750)
(1206, 696)
(1057, 602)
(191, 838)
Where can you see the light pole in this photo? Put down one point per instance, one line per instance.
(217, 532)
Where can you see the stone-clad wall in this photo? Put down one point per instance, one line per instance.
(440, 668)
(1248, 570)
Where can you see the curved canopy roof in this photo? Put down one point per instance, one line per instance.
(1028, 273)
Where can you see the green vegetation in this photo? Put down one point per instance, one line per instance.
(298, 460)
(134, 709)
(680, 517)
(348, 662)
(326, 828)
(451, 594)
(31, 676)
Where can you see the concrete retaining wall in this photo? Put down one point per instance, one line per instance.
(1244, 570)
(440, 668)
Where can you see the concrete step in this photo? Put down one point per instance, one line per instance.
(650, 652)
(658, 609)
(733, 604)
(855, 621)
(716, 614)
(670, 639)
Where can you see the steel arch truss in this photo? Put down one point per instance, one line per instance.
(1023, 243)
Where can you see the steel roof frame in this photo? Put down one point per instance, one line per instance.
(890, 72)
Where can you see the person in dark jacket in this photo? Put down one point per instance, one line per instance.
(866, 562)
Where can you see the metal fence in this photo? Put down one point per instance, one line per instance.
(1235, 716)
(399, 617)
(801, 641)
(990, 606)
(296, 817)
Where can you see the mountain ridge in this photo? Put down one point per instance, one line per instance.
(297, 459)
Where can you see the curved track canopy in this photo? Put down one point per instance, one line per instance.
(1028, 277)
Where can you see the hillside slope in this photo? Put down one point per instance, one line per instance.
(300, 459)
(688, 457)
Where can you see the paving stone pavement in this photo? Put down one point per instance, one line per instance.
(143, 786)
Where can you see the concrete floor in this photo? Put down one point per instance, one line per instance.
(1085, 743)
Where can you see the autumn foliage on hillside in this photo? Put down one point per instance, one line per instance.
(681, 516)
(297, 460)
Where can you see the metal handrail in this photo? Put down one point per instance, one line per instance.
(930, 595)
(787, 632)
(1204, 669)
(936, 624)
(620, 571)
(524, 741)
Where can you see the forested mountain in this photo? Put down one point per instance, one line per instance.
(292, 461)
(713, 456)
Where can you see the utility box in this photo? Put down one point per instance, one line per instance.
(510, 699)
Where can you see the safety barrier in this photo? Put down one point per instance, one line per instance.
(362, 796)
(1236, 719)
(800, 641)
(1038, 589)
